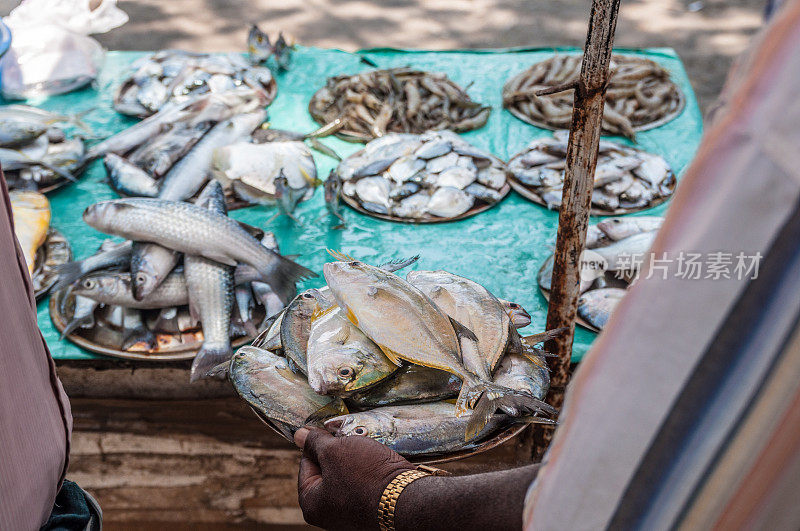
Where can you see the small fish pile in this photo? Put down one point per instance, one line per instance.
(626, 179)
(36, 150)
(429, 177)
(398, 100)
(177, 76)
(259, 48)
(621, 246)
(377, 355)
(173, 153)
(640, 94)
(182, 264)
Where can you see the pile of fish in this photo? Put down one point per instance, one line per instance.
(626, 178)
(621, 246)
(377, 355)
(398, 100)
(433, 176)
(36, 150)
(180, 255)
(178, 76)
(640, 94)
(173, 153)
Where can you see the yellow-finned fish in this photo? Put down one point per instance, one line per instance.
(31, 212)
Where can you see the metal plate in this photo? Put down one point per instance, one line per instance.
(530, 195)
(54, 252)
(432, 459)
(103, 339)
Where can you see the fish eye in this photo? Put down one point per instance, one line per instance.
(360, 430)
(307, 296)
(141, 278)
(88, 283)
(354, 264)
(345, 372)
(513, 305)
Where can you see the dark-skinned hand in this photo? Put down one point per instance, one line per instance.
(341, 479)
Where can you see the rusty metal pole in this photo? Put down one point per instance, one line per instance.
(584, 138)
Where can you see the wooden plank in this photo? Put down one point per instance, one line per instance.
(205, 462)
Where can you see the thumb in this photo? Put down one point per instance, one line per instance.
(316, 443)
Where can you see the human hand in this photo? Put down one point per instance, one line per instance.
(341, 479)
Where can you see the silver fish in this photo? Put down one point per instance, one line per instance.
(341, 359)
(115, 289)
(596, 306)
(296, 325)
(621, 228)
(193, 230)
(129, 179)
(449, 202)
(150, 265)
(519, 317)
(411, 383)
(116, 255)
(416, 429)
(186, 177)
(210, 296)
(15, 132)
(265, 381)
(82, 315)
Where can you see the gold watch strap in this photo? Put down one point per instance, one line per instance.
(391, 493)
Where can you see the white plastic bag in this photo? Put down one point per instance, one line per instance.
(51, 51)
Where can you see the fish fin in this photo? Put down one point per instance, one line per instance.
(463, 331)
(67, 274)
(312, 181)
(544, 336)
(73, 325)
(208, 358)
(322, 148)
(469, 394)
(283, 429)
(521, 401)
(283, 278)
(220, 371)
(290, 372)
(341, 256)
(395, 265)
(334, 408)
(392, 355)
(533, 419)
(351, 316)
(481, 414)
(77, 120)
(319, 312)
(535, 359)
(261, 338)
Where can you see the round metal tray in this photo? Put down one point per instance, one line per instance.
(532, 196)
(170, 346)
(54, 252)
(432, 459)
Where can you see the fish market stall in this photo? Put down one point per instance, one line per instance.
(145, 438)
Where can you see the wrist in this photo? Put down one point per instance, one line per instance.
(411, 503)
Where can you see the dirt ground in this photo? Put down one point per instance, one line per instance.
(707, 34)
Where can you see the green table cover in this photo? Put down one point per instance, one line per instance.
(501, 248)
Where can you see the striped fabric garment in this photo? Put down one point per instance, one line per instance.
(686, 412)
(35, 418)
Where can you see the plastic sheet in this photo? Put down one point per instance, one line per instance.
(501, 248)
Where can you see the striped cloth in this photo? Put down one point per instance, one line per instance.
(686, 412)
(35, 418)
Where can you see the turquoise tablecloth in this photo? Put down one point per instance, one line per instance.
(501, 248)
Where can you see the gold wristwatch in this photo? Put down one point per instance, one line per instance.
(393, 490)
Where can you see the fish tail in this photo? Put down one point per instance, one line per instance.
(141, 336)
(209, 357)
(68, 273)
(75, 324)
(283, 277)
(481, 414)
(491, 397)
(77, 120)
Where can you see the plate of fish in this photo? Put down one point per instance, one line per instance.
(44, 248)
(626, 179)
(176, 75)
(620, 245)
(180, 264)
(173, 153)
(368, 105)
(37, 148)
(429, 178)
(432, 365)
(640, 94)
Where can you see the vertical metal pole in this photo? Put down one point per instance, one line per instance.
(584, 138)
